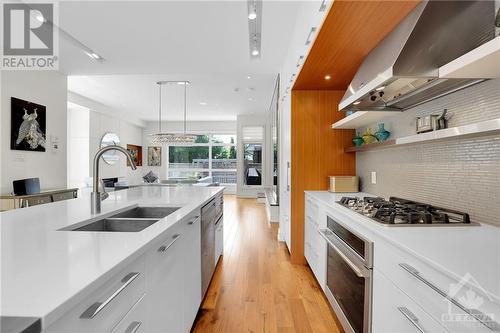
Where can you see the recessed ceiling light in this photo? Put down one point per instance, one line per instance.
(327, 77)
(249, 77)
(255, 52)
(356, 103)
(380, 88)
(252, 15)
(93, 55)
(203, 103)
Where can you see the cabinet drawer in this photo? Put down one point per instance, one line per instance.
(430, 289)
(136, 319)
(395, 312)
(311, 209)
(105, 307)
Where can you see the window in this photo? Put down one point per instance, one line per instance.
(253, 137)
(190, 157)
(210, 155)
(253, 163)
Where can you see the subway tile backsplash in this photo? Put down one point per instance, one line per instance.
(462, 174)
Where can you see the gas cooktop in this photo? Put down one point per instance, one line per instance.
(402, 212)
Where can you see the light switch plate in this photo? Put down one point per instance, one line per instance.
(374, 177)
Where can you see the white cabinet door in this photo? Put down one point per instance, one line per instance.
(191, 258)
(106, 306)
(135, 321)
(165, 284)
(394, 312)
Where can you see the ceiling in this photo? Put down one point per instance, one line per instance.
(205, 42)
(358, 26)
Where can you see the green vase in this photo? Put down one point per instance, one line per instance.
(368, 136)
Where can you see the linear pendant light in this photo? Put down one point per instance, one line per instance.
(162, 138)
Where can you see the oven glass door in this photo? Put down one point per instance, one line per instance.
(348, 289)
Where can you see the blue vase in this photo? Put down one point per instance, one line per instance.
(358, 140)
(382, 134)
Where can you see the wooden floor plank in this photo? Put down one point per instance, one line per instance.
(255, 287)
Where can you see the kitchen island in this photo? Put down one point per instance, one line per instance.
(88, 281)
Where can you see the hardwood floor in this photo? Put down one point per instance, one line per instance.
(255, 287)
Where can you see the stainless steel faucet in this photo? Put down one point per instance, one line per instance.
(96, 196)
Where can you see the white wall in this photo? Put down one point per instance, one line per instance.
(47, 88)
(78, 142)
(103, 120)
(256, 119)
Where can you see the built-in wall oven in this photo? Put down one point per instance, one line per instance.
(349, 276)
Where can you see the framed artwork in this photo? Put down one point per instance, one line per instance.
(154, 156)
(27, 125)
(136, 152)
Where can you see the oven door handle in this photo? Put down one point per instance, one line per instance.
(348, 261)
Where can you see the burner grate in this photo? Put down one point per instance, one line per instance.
(398, 211)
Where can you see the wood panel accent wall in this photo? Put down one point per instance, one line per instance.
(317, 152)
(350, 31)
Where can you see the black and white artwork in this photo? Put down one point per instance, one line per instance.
(27, 130)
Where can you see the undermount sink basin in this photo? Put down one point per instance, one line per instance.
(146, 213)
(117, 225)
(133, 220)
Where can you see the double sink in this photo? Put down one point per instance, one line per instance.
(131, 220)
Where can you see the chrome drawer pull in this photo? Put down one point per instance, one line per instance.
(412, 318)
(309, 37)
(133, 327)
(348, 261)
(164, 248)
(97, 307)
(478, 315)
(193, 220)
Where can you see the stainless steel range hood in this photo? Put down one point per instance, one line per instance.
(403, 70)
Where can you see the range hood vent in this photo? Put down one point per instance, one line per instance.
(403, 70)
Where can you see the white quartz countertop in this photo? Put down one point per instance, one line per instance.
(453, 250)
(44, 270)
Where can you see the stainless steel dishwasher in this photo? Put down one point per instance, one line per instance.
(210, 214)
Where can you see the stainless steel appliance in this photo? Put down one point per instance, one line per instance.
(349, 276)
(211, 213)
(402, 212)
(403, 70)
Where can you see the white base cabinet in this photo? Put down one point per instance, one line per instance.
(192, 271)
(159, 292)
(165, 288)
(315, 248)
(394, 312)
(136, 319)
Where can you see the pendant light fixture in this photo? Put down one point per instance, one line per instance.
(162, 138)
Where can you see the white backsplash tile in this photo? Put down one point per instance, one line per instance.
(462, 173)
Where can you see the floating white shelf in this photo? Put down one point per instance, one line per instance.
(478, 129)
(361, 118)
(482, 62)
